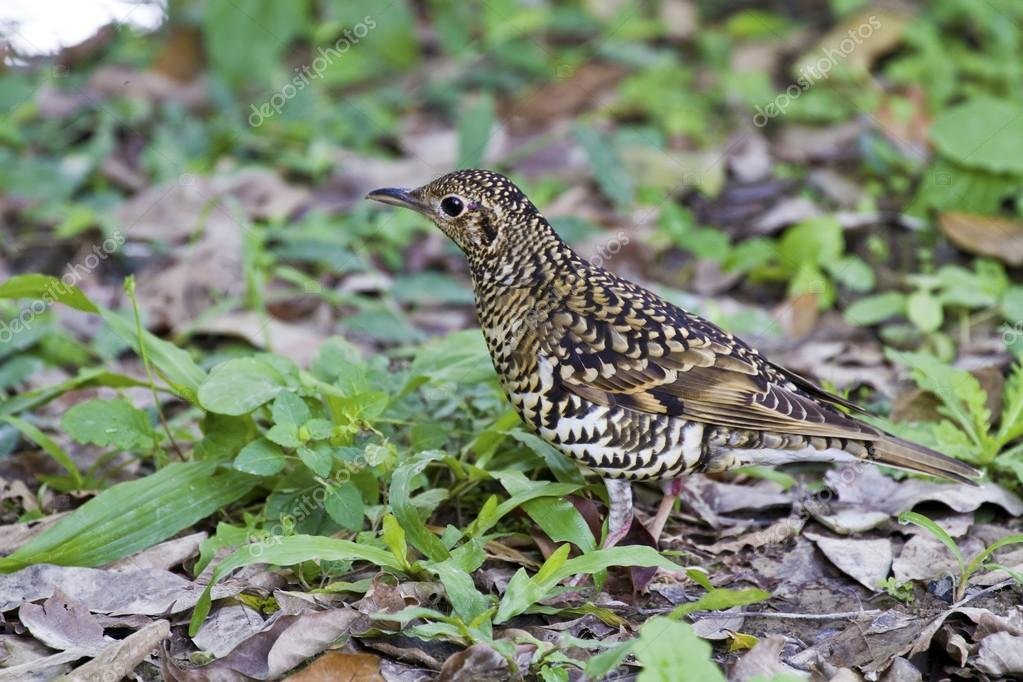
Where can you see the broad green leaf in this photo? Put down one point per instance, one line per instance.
(815, 240)
(48, 445)
(671, 651)
(109, 422)
(174, 364)
(523, 591)
(289, 410)
(288, 551)
(924, 310)
(393, 536)
(607, 167)
(982, 132)
(318, 458)
(467, 602)
(401, 505)
(246, 40)
(239, 386)
(48, 290)
(131, 516)
(878, 308)
(344, 504)
(260, 458)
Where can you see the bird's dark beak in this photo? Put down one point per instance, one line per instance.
(396, 196)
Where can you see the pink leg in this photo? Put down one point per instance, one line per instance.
(672, 489)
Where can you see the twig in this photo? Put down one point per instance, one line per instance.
(777, 614)
(986, 590)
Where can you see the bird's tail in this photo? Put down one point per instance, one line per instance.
(903, 454)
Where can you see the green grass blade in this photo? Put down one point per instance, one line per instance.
(47, 444)
(937, 531)
(983, 556)
(134, 515)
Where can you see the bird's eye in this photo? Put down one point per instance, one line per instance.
(452, 206)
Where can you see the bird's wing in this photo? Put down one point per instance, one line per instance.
(613, 343)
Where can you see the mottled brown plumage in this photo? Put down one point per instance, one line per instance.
(622, 381)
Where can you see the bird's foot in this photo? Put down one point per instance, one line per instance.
(672, 489)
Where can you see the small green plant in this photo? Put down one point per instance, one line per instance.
(902, 592)
(968, 430)
(977, 562)
(950, 292)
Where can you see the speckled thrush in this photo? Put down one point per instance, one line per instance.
(623, 382)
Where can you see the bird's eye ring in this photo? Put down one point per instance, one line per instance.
(452, 206)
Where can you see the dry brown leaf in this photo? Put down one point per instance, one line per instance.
(63, 624)
(865, 561)
(1001, 655)
(764, 661)
(227, 627)
(298, 342)
(864, 487)
(341, 666)
(985, 235)
(165, 555)
(145, 592)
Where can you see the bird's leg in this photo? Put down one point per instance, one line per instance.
(672, 489)
(619, 517)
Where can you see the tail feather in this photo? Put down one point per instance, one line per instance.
(903, 454)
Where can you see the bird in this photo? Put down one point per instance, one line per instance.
(627, 384)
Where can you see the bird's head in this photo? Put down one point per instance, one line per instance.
(484, 213)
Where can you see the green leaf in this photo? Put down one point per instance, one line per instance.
(48, 290)
(721, 598)
(924, 310)
(318, 458)
(984, 555)
(288, 551)
(937, 531)
(608, 169)
(393, 536)
(344, 504)
(85, 378)
(239, 386)
(815, 240)
(48, 445)
(260, 458)
(105, 423)
(246, 39)
(289, 410)
(671, 651)
(874, 309)
(474, 131)
(131, 516)
(401, 505)
(1011, 422)
(852, 272)
(174, 364)
(986, 133)
(523, 591)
